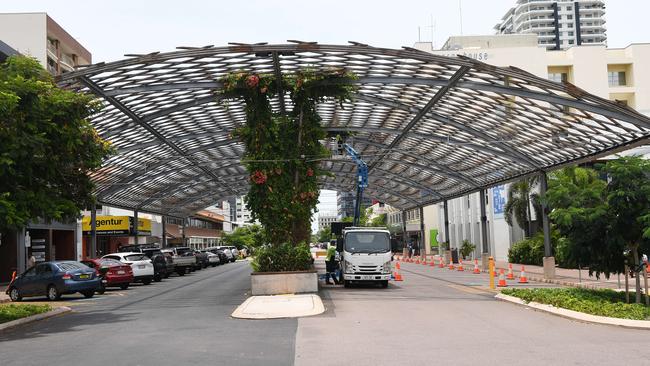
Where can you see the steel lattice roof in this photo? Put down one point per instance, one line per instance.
(431, 127)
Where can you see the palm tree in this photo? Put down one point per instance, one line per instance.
(520, 198)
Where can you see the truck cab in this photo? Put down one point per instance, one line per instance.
(366, 255)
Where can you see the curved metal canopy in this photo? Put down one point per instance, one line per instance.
(431, 127)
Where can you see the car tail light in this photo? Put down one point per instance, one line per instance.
(67, 276)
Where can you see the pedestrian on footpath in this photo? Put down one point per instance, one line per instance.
(331, 266)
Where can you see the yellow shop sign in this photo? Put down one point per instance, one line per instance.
(108, 225)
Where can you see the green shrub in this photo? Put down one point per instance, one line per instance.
(282, 258)
(528, 251)
(9, 312)
(596, 302)
(467, 248)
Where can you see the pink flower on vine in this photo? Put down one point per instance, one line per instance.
(252, 81)
(310, 172)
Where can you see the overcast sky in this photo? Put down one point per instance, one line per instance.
(110, 29)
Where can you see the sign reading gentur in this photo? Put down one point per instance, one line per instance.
(116, 225)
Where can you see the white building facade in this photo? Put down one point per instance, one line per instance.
(619, 74)
(559, 24)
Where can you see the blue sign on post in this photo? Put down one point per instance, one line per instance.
(499, 200)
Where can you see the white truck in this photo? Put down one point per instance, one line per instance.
(366, 255)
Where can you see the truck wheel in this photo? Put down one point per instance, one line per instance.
(346, 283)
(384, 284)
(180, 272)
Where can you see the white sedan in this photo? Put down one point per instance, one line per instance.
(143, 270)
(213, 259)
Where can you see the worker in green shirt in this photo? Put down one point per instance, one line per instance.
(331, 265)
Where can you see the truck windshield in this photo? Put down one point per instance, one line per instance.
(367, 242)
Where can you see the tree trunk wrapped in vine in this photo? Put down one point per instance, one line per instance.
(283, 149)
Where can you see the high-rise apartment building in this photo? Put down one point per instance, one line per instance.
(559, 24)
(39, 36)
(345, 203)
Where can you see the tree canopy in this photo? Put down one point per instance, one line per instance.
(47, 146)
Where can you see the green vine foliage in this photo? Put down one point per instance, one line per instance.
(283, 149)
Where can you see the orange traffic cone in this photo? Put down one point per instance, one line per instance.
(442, 263)
(433, 262)
(397, 265)
(511, 275)
(502, 279)
(424, 261)
(460, 265)
(451, 265)
(522, 276)
(476, 269)
(417, 261)
(397, 275)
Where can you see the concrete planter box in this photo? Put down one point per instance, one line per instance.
(278, 283)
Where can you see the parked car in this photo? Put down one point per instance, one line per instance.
(53, 279)
(159, 263)
(228, 253)
(184, 261)
(171, 266)
(143, 270)
(223, 258)
(235, 252)
(202, 259)
(118, 274)
(213, 259)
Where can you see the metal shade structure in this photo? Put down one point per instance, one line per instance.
(430, 127)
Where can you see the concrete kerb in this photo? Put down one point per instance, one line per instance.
(577, 316)
(54, 312)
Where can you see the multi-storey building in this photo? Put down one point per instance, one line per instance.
(239, 214)
(618, 74)
(325, 220)
(223, 208)
(558, 24)
(345, 203)
(39, 36)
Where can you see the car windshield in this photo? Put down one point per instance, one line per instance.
(367, 242)
(135, 257)
(71, 266)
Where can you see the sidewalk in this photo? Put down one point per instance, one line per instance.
(4, 297)
(563, 276)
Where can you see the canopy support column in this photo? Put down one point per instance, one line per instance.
(423, 247)
(163, 239)
(93, 231)
(135, 227)
(549, 260)
(404, 241)
(485, 252)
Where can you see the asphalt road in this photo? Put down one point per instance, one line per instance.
(180, 321)
(441, 317)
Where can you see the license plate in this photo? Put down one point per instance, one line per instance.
(142, 266)
(367, 277)
(121, 272)
(84, 276)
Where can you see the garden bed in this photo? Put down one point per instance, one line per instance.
(9, 312)
(607, 303)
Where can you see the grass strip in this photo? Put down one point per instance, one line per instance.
(596, 302)
(9, 312)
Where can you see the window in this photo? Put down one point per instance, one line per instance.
(569, 16)
(571, 41)
(616, 78)
(570, 34)
(559, 77)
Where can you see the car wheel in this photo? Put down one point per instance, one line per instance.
(52, 293)
(88, 294)
(14, 294)
(167, 274)
(124, 286)
(157, 277)
(101, 289)
(146, 282)
(214, 265)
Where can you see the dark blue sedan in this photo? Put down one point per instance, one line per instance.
(53, 279)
